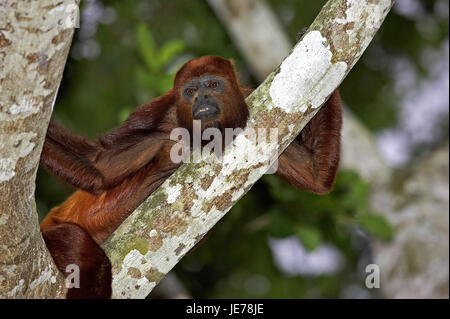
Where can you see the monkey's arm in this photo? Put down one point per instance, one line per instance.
(96, 166)
(70, 245)
(70, 158)
(87, 165)
(311, 161)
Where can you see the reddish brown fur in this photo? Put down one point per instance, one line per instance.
(76, 247)
(118, 171)
(312, 160)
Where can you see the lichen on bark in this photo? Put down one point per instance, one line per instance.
(34, 42)
(173, 222)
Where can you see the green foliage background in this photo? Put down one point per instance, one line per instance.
(139, 54)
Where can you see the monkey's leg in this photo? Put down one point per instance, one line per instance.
(73, 249)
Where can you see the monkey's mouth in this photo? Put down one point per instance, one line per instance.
(205, 111)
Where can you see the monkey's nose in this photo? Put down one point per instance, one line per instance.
(202, 98)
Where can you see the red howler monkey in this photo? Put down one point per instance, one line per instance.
(115, 173)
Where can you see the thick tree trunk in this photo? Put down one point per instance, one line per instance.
(35, 38)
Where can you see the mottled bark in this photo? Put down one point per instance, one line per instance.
(35, 38)
(175, 217)
(415, 263)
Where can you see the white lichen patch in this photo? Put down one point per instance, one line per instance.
(162, 260)
(128, 282)
(27, 101)
(29, 59)
(3, 216)
(13, 147)
(247, 152)
(7, 166)
(46, 275)
(307, 77)
(153, 233)
(27, 106)
(366, 16)
(244, 156)
(288, 136)
(16, 289)
(172, 192)
(238, 194)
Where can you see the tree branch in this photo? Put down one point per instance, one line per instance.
(176, 216)
(359, 152)
(263, 50)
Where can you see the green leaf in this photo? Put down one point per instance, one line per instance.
(164, 84)
(146, 46)
(377, 225)
(310, 236)
(169, 51)
(124, 113)
(144, 78)
(354, 191)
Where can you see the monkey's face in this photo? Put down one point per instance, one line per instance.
(207, 90)
(204, 95)
(213, 100)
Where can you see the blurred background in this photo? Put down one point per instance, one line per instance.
(390, 203)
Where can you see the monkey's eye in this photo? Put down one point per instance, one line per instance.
(212, 84)
(190, 91)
